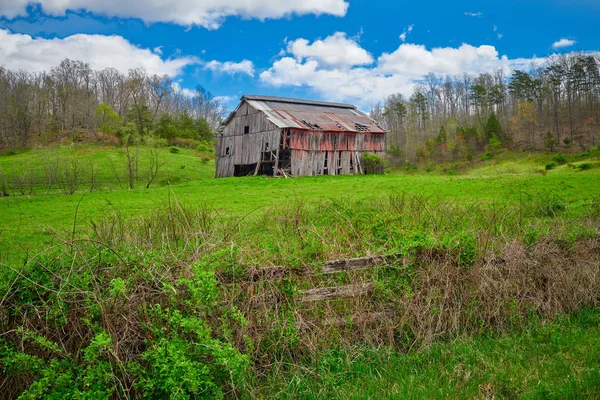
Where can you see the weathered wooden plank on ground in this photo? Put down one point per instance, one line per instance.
(330, 267)
(320, 294)
(356, 264)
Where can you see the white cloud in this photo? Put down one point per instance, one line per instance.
(336, 50)
(396, 72)
(563, 43)
(231, 68)
(406, 32)
(19, 51)
(206, 13)
(158, 50)
(184, 91)
(474, 14)
(416, 60)
(362, 84)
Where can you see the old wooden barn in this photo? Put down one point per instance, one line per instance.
(290, 137)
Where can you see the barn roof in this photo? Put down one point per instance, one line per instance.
(275, 99)
(312, 115)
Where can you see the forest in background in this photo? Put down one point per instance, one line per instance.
(74, 101)
(551, 107)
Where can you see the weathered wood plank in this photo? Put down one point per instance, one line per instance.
(321, 294)
(330, 267)
(355, 264)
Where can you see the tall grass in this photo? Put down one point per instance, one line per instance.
(165, 301)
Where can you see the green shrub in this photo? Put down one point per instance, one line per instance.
(374, 164)
(584, 154)
(183, 345)
(560, 159)
(174, 150)
(584, 166)
(550, 165)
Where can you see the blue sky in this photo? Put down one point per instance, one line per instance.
(354, 51)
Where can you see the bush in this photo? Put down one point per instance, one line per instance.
(550, 166)
(374, 164)
(174, 341)
(560, 159)
(584, 166)
(174, 150)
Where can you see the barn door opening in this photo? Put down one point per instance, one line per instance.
(267, 161)
(244, 169)
(283, 162)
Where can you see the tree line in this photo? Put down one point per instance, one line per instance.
(548, 107)
(73, 98)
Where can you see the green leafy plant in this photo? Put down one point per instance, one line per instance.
(560, 159)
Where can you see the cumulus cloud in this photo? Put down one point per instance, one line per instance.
(18, 51)
(206, 13)
(414, 60)
(336, 50)
(231, 68)
(564, 42)
(334, 84)
(395, 72)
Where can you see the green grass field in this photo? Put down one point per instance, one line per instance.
(493, 311)
(28, 222)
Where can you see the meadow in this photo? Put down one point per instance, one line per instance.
(489, 290)
(30, 221)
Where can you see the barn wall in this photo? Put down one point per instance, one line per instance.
(343, 151)
(244, 148)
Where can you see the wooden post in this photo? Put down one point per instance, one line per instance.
(359, 166)
(276, 167)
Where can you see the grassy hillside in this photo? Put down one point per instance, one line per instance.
(30, 220)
